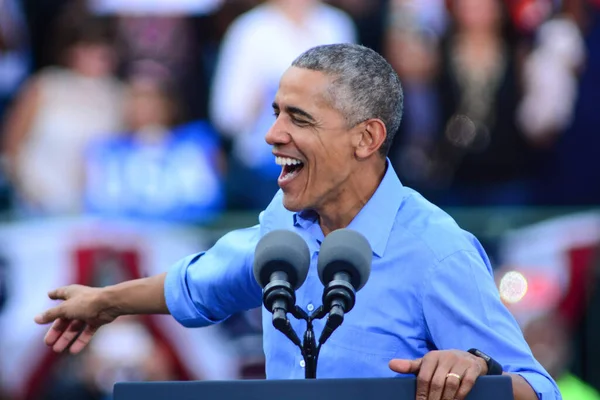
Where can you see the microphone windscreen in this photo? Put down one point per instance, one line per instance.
(345, 250)
(281, 250)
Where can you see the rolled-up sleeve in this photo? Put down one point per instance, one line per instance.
(462, 310)
(208, 287)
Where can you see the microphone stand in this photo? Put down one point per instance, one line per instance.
(308, 347)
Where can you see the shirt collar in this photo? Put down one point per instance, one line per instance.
(376, 219)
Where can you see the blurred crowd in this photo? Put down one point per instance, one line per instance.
(155, 111)
(146, 110)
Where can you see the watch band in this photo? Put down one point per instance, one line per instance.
(494, 367)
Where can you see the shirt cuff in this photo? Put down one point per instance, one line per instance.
(544, 388)
(178, 297)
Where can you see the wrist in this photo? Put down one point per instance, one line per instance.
(492, 367)
(138, 296)
(108, 301)
(483, 364)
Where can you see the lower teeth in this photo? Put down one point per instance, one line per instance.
(292, 171)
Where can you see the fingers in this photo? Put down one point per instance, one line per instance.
(442, 375)
(453, 383)
(74, 335)
(55, 331)
(428, 367)
(467, 382)
(65, 333)
(405, 366)
(83, 339)
(56, 312)
(439, 380)
(68, 336)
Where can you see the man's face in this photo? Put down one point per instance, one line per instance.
(311, 141)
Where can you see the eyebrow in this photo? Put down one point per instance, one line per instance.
(295, 111)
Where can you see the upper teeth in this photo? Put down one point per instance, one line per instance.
(287, 161)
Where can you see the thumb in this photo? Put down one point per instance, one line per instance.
(406, 366)
(58, 294)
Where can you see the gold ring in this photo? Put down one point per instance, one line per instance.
(454, 375)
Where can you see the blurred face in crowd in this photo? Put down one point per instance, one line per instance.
(477, 15)
(147, 104)
(412, 55)
(311, 141)
(92, 59)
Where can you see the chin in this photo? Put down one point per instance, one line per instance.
(292, 204)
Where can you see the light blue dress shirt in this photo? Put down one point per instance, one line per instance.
(430, 288)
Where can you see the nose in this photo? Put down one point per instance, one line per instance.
(277, 134)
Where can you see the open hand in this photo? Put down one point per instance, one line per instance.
(76, 319)
(444, 374)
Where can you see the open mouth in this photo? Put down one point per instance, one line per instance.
(290, 168)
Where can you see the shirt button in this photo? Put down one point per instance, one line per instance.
(302, 363)
(310, 307)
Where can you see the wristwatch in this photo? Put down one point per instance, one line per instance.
(494, 367)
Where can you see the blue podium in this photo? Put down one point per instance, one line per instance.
(486, 388)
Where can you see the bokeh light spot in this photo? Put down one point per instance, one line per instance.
(513, 287)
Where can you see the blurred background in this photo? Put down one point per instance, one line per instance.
(132, 132)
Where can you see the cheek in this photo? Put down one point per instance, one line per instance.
(327, 173)
(329, 156)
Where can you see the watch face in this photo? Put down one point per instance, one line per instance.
(482, 355)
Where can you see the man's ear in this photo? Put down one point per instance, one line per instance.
(370, 138)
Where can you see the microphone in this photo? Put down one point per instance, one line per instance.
(281, 263)
(344, 267)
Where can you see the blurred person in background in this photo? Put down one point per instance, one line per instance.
(159, 168)
(413, 30)
(369, 18)
(125, 351)
(256, 50)
(480, 156)
(150, 34)
(61, 109)
(15, 57)
(15, 64)
(572, 172)
(551, 78)
(550, 340)
(552, 86)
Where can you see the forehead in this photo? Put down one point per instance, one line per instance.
(303, 88)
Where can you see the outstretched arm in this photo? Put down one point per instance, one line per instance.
(85, 309)
(199, 290)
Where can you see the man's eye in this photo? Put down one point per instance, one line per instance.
(299, 122)
(276, 114)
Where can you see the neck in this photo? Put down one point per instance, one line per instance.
(345, 205)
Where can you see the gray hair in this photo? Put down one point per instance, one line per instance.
(364, 85)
